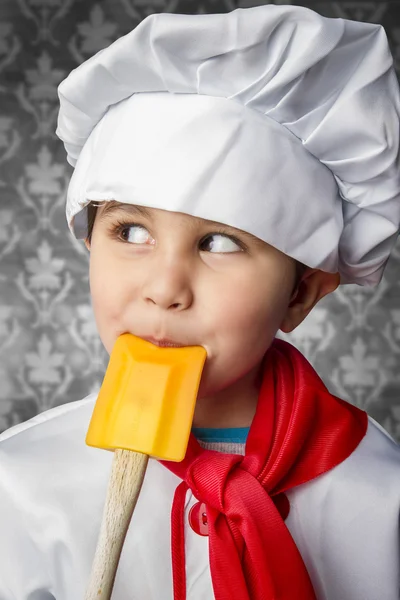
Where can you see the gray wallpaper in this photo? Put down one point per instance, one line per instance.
(50, 352)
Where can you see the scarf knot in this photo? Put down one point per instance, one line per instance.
(212, 482)
(218, 488)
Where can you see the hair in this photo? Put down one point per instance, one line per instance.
(91, 216)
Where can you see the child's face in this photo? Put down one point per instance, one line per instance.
(171, 275)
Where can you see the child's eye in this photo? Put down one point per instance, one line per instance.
(218, 242)
(134, 233)
(222, 243)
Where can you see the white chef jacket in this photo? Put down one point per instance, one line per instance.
(52, 491)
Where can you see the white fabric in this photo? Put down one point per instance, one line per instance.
(272, 119)
(137, 155)
(52, 491)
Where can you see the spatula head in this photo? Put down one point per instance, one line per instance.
(147, 400)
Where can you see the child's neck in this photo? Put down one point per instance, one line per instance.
(232, 407)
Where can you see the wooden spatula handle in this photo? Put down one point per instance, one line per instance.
(127, 474)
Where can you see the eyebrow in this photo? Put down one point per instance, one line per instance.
(113, 206)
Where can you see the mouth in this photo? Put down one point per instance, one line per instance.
(163, 343)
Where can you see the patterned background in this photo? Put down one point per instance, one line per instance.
(50, 352)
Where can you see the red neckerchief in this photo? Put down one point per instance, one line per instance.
(299, 431)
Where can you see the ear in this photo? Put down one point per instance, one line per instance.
(87, 243)
(314, 285)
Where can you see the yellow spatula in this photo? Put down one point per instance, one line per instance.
(144, 408)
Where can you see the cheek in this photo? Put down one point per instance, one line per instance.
(247, 329)
(108, 289)
(239, 332)
(244, 318)
(247, 308)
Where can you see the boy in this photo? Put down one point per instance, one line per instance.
(210, 151)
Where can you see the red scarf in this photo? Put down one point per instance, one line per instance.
(299, 431)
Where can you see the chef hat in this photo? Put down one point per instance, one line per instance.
(273, 119)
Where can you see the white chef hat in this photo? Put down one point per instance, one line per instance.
(273, 119)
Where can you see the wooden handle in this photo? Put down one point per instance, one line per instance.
(127, 474)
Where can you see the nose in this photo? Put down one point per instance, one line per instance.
(168, 284)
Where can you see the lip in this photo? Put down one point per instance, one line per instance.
(164, 342)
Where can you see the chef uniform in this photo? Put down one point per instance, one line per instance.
(285, 124)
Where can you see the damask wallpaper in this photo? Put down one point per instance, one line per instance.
(50, 352)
